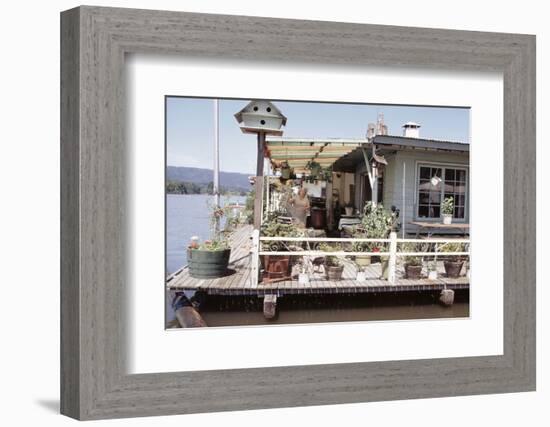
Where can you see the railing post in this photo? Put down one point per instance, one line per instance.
(393, 257)
(255, 261)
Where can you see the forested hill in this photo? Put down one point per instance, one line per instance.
(187, 180)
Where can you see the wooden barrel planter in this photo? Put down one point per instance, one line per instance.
(453, 268)
(334, 272)
(413, 271)
(208, 264)
(276, 266)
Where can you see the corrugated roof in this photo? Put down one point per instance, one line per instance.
(435, 144)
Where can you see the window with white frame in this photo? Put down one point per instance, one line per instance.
(435, 183)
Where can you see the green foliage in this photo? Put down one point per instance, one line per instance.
(454, 247)
(249, 207)
(185, 187)
(219, 244)
(412, 247)
(273, 228)
(331, 260)
(314, 168)
(447, 207)
(377, 221)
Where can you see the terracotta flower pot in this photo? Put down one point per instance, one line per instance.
(453, 268)
(413, 271)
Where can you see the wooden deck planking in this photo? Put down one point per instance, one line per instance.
(239, 282)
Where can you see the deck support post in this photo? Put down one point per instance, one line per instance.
(255, 258)
(270, 306)
(447, 297)
(259, 182)
(393, 258)
(330, 214)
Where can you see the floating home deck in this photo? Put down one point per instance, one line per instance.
(239, 282)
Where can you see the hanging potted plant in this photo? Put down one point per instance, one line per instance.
(326, 174)
(286, 170)
(447, 209)
(453, 263)
(209, 259)
(413, 263)
(314, 168)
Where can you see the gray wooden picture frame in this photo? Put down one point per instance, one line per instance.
(94, 41)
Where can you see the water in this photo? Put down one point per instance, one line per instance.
(187, 215)
(334, 308)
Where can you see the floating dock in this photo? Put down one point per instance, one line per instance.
(238, 281)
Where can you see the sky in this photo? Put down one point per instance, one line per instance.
(190, 127)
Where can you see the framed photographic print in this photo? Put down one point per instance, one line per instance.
(262, 213)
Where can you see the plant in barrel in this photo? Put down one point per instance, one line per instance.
(210, 259)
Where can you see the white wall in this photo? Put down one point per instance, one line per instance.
(29, 173)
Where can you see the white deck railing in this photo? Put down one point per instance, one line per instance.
(392, 253)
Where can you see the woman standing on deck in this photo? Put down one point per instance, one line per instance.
(300, 207)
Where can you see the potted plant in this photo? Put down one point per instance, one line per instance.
(432, 270)
(326, 174)
(348, 208)
(334, 267)
(361, 260)
(209, 259)
(305, 270)
(376, 223)
(412, 263)
(286, 170)
(278, 266)
(447, 209)
(314, 168)
(453, 263)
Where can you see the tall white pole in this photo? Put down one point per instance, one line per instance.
(216, 189)
(403, 200)
(216, 169)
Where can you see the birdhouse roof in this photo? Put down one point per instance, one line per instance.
(249, 109)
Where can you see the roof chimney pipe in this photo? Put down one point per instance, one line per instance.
(411, 130)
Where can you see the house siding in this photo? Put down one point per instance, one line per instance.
(412, 159)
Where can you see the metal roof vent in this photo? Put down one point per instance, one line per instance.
(411, 130)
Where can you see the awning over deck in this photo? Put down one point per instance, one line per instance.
(297, 152)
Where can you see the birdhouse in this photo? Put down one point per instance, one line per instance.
(261, 117)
